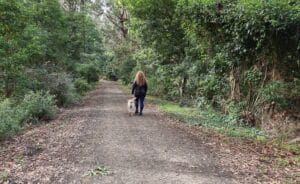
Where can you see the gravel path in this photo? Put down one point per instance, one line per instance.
(97, 142)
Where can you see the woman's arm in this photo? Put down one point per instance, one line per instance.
(146, 88)
(133, 88)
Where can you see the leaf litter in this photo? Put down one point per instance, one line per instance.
(45, 152)
(248, 160)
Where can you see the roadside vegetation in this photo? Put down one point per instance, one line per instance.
(210, 119)
(50, 55)
(233, 65)
(221, 123)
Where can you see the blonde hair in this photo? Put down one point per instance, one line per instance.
(140, 78)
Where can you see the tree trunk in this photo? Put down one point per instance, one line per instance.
(275, 73)
(182, 86)
(235, 84)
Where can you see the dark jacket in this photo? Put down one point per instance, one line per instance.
(139, 90)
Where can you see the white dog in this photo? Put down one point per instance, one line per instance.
(131, 106)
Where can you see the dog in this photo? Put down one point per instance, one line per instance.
(131, 106)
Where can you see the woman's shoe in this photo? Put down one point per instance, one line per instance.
(140, 113)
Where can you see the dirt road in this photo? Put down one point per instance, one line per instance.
(97, 142)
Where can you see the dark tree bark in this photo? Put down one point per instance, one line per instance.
(235, 83)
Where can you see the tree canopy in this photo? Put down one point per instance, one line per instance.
(236, 57)
(242, 54)
(48, 56)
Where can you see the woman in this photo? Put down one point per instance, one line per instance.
(139, 90)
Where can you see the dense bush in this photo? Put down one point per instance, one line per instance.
(62, 87)
(281, 93)
(10, 118)
(60, 84)
(44, 47)
(225, 49)
(35, 106)
(82, 85)
(42, 37)
(88, 72)
(233, 56)
(125, 70)
(38, 105)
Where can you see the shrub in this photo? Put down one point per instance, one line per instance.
(282, 93)
(35, 105)
(81, 85)
(274, 92)
(155, 86)
(10, 118)
(111, 76)
(211, 86)
(125, 70)
(88, 71)
(39, 105)
(61, 85)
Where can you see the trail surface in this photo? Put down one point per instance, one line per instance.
(97, 142)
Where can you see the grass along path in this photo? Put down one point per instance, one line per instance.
(261, 156)
(276, 158)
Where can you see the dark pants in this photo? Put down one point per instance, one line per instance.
(139, 101)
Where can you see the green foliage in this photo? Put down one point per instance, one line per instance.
(212, 119)
(281, 93)
(61, 85)
(273, 93)
(82, 85)
(39, 105)
(125, 71)
(209, 86)
(88, 71)
(253, 35)
(100, 170)
(43, 48)
(10, 118)
(159, 27)
(155, 88)
(232, 56)
(292, 147)
(40, 34)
